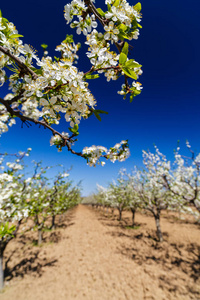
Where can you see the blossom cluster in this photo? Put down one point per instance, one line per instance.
(121, 19)
(12, 189)
(100, 55)
(83, 24)
(119, 152)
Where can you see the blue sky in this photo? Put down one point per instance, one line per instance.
(167, 110)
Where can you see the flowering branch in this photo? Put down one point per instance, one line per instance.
(21, 65)
(23, 118)
(56, 88)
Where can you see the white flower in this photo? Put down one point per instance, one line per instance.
(55, 140)
(111, 32)
(137, 85)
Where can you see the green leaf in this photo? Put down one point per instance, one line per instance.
(129, 73)
(56, 58)
(122, 32)
(44, 46)
(97, 115)
(125, 49)
(132, 64)
(5, 20)
(122, 58)
(116, 3)
(109, 7)
(74, 129)
(101, 111)
(69, 38)
(131, 97)
(88, 21)
(122, 27)
(37, 71)
(121, 36)
(0, 14)
(89, 76)
(5, 230)
(138, 7)
(136, 92)
(101, 12)
(11, 229)
(134, 24)
(14, 36)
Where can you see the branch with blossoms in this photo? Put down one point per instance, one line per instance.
(22, 67)
(57, 136)
(44, 90)
(107, 20)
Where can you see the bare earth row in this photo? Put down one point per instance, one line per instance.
(93, 256)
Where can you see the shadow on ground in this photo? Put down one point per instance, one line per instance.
(176, 265)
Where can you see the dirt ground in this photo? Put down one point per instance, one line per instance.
(93, 256)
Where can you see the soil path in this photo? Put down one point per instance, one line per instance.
(86, 264)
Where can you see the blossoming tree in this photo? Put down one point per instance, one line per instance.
(121, 194)
(156, 197)
(185, 181)
(45, 90)
(12, 208)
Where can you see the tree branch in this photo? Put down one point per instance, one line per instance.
(23, 118)
(21, 65)
(106, 68)
(93, 10)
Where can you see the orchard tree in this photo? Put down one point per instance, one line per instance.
(45, 90)
(154, 193)
(118, 195)
(185, 183)
(101, 198)
(56, 197)
(38, 198)
(12, 206)
(63, 196)
(132, 186)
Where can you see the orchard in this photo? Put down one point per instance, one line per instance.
(161, 185)
(55, 93)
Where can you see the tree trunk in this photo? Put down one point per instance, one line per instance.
(196, 206)
(159, 232)
(53, 225)
(1, 272)
(133, 210)
(120, 214)
(39, 237)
